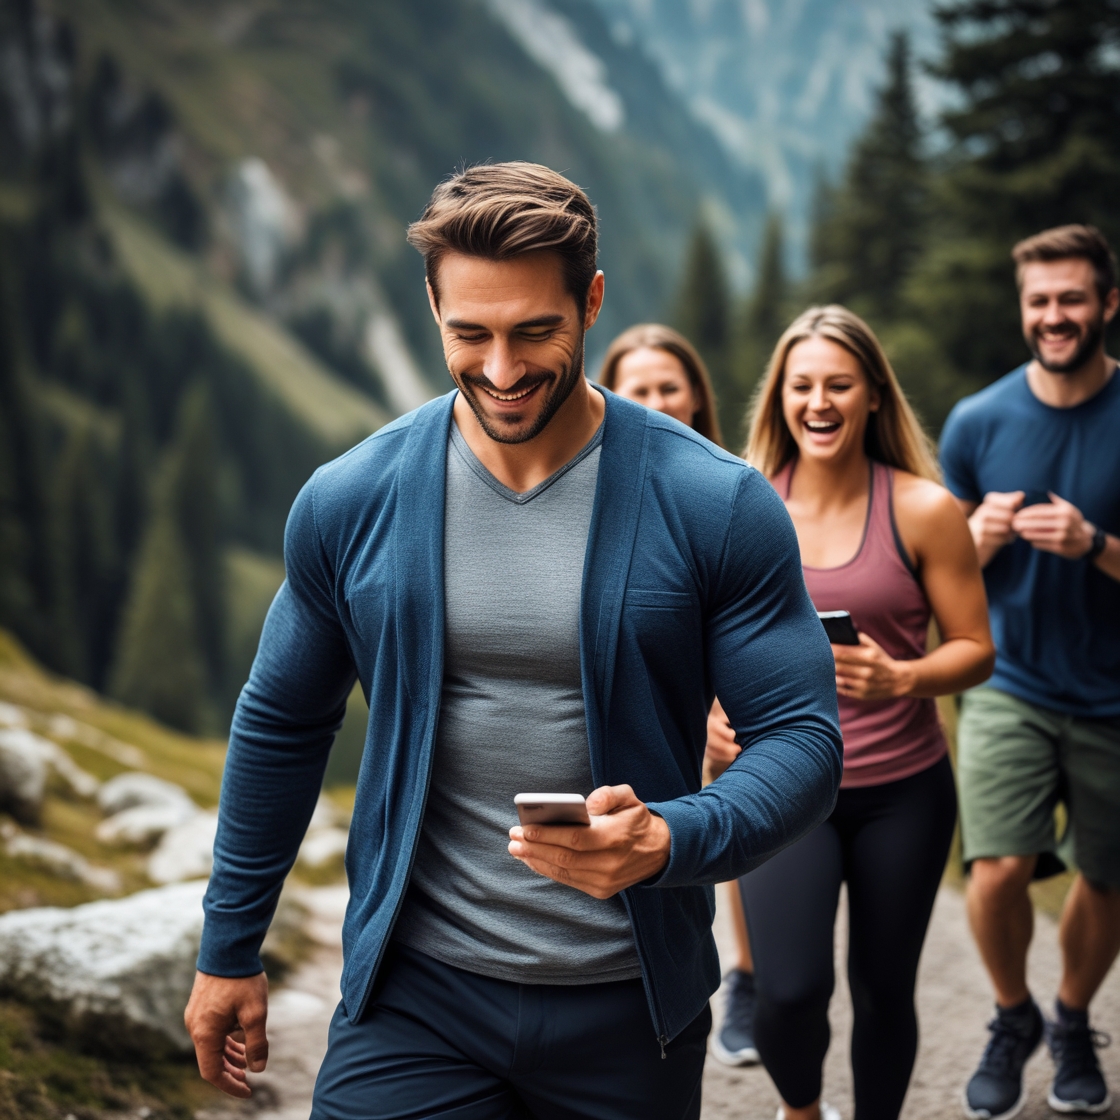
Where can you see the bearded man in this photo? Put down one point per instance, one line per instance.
(540, 587)
(1034, 460)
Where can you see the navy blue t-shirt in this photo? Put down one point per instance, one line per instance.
(1056, 622)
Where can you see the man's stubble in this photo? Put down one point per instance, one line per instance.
(565, 382)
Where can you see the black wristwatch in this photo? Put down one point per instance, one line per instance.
(1100, 539)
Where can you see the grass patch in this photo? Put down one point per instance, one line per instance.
(41, 1079)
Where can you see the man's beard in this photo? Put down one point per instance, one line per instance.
(1094, 332)
(562, 386)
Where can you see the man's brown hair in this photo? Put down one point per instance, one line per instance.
(1065, 242)
(502, 210)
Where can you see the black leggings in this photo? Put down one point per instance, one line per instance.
(889, 843)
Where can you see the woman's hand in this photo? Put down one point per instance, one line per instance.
(722, 747)
(868, 672)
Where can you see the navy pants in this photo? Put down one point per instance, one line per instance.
(440, 1042)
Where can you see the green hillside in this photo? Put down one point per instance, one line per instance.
(205, 289)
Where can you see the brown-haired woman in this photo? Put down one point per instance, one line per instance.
(882, 539)
(658, 367)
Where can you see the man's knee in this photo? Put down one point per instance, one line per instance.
(1001, 878)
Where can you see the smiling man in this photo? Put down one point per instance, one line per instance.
(1034, 460)
(540, 587)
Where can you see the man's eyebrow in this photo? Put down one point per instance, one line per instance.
(539, 321)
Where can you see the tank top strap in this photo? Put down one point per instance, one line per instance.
(884, 521)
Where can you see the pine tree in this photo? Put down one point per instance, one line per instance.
(869, 230)
(761, 321)
(767, 311)
(193, 493)
(171, 647)
(703, 316)
(159, 665)
(1038, 123)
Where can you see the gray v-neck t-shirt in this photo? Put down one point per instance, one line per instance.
(511, 721)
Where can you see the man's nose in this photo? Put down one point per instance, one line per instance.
(1053, 315)
(502, 366)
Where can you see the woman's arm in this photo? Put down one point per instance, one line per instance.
(936, 534)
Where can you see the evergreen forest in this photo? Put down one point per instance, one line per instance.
(915, 235)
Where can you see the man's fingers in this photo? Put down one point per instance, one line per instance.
(609, 799)
(252, 1022)
(1004, 500)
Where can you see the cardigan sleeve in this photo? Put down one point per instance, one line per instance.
(772, 668)
(283, 728)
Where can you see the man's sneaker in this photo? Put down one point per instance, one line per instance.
(734, 1045)
(827, 1112)
(996, 1090)
(1079, 1085)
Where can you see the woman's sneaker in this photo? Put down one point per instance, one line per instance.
(1079, 1085)
(734, 1045)
(996, 1090)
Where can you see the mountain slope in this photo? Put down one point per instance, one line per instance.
(785, 86)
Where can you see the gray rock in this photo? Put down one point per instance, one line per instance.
(23, 773)
(118, 970)
(126, 791)
(26, 760)
(186, 851)
(57, 859)
(144, 824)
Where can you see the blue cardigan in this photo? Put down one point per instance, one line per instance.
(692, 587)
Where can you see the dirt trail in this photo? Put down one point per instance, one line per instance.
(953, 997)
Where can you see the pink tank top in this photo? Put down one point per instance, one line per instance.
(884, 740)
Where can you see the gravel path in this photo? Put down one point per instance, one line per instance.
(953, 996)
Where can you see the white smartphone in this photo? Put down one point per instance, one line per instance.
(551, 808)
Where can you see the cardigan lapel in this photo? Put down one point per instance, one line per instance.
(610, 545)
(418, 528)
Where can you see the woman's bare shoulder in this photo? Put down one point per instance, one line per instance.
(924, 509)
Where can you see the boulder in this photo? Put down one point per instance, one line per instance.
(57, 859)
(126, 791)
(186, 851)
(26, 759)
(144, 824)
(118, 972)
(23, 773)
(321, 845)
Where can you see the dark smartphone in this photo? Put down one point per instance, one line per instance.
(1035, 498)
(839, 627)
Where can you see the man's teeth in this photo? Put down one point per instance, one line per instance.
(511, 396)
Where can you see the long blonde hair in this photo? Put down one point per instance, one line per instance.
(654, 336)
(894, 435)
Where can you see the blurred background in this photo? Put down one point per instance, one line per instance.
(205, 292)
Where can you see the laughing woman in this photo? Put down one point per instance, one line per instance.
(881, 539)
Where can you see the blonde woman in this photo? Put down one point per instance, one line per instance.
(881, 539)
(657, 366)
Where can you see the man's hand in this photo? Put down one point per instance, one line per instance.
(868, 672)
(722, 748)
(624, 844)
(226, 1021)
(1055, 526)
(992, 523)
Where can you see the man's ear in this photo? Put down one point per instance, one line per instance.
(594, 300)
(432, 302)
(1111, 303)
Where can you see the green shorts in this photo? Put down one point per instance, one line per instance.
(1016, 762)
